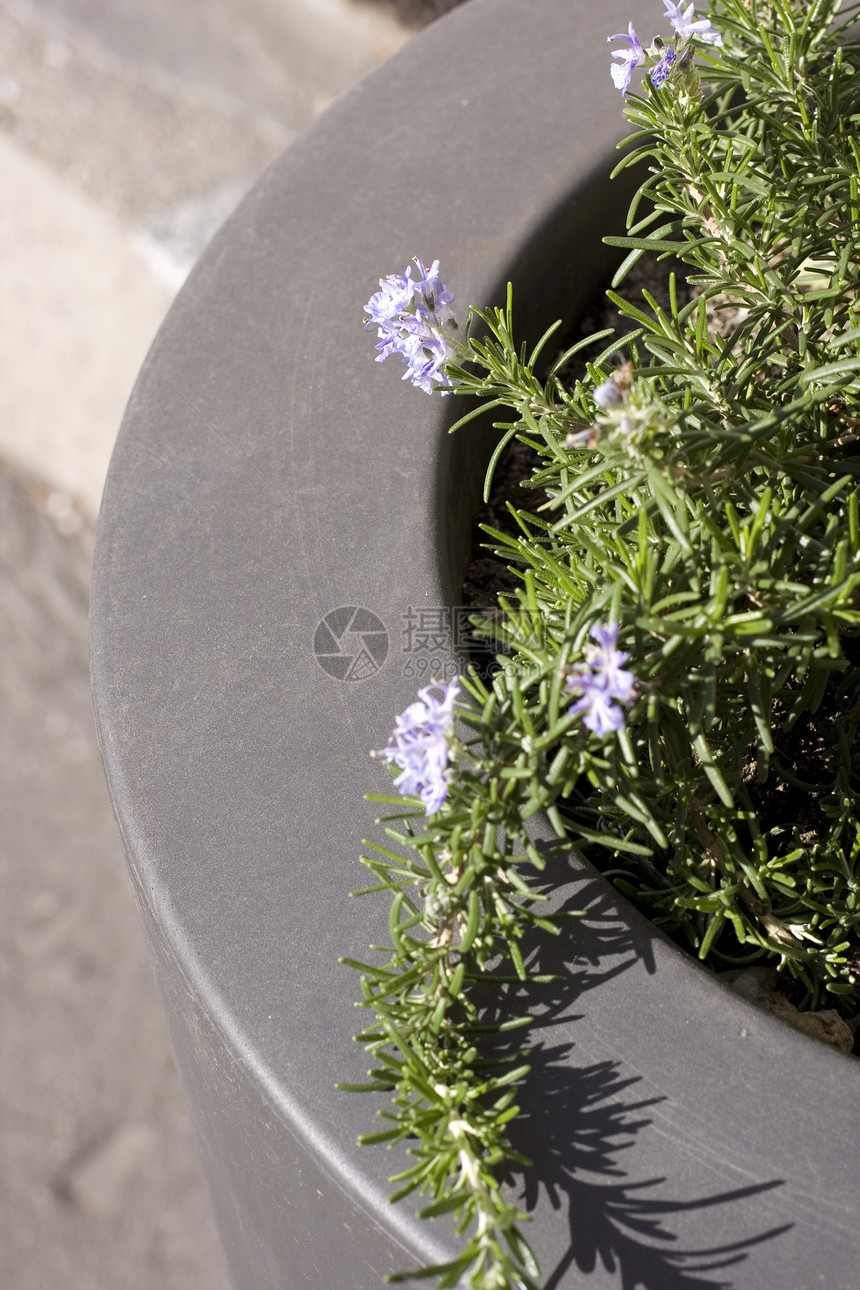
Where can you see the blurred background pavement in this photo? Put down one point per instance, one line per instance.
(129, 129)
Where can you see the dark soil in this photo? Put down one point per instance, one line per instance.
(487, 575)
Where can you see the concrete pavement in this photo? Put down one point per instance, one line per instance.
(128, 130)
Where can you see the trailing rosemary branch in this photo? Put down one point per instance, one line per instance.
(678, 683)
(460, 907)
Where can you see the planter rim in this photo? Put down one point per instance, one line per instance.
(236, 762)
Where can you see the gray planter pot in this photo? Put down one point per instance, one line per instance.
(268, 474)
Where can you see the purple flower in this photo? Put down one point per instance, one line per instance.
(602, 683)
(663, 68)
(607, 393)
(596, 708)
(396, 296)
(586, 438)
(629, 58)
(424, 354)
(419, 745)
(413, 319)
(607, 660)
(688, 26)
(436, 297)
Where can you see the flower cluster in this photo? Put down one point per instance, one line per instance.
(413, 318)
(659, 60)
(630, 416)
(419, 745)
(602, 682)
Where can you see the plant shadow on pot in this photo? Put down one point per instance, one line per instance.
(584, 1117)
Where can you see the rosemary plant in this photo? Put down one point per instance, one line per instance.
(678, 688)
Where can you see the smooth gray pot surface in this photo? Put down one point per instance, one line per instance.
(268, 473)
